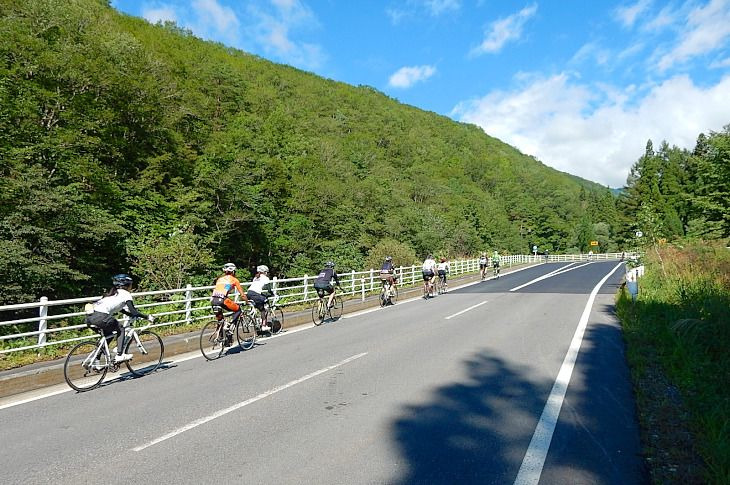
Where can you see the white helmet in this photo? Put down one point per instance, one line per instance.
(229, 267)
(262, 269)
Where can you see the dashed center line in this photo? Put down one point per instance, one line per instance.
(465, 310)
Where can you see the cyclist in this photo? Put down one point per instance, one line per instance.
(223, 286)
(429, 274)
(443, 269)
(387, 272)
(483, 265)
(255, 290)
(496, 261)
(117, 299)
(323, 283)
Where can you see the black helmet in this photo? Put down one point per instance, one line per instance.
(329, 264)
(121, 280)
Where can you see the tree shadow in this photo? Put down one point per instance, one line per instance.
(478, 431)
(460, 436)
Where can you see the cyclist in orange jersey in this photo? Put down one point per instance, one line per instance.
(223, 286)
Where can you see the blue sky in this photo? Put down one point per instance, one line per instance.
(579, 85)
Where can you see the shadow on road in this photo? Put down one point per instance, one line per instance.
(478, 431)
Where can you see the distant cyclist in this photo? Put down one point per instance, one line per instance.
(117, 299)
(323, 283)
(223, 287)
(496, 262)
(255, 293)
(387, 271)
(429, 274)
(483, 265)
(443, 269)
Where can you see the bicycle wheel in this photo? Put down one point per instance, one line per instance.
(383, 297)
(212, 339)
(276, 320)
(81, 370)
(319, 312)
(245, 332)
(147, 354)
(336, 311)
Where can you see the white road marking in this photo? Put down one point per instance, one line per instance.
(534, 459)
(465, 310)
(417, 298)
(558, 271)
(46, 393)
(230, 409)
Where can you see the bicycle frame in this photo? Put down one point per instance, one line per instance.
(103, 344)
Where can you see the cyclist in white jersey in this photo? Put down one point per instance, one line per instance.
(443, 269)
(255, 293)
(483, 265)
(429, 273)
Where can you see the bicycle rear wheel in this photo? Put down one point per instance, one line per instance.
(212, 339)
(319, 312)
(81, 370)
(147, 354)
(245, 332)
(276, 320)
(336, 311)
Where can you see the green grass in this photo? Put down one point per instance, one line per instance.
(680, 325)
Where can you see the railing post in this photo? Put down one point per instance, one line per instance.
(399, 272)
(352, 282)
(362, 282)
(372, 279)
(305, 287)
(42, 323)
(188, 303)
(275, 285)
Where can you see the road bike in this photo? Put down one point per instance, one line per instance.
(217, 334)
(495, 271)
(388, 293)
(274, 316)
(441, 285)
(428, 288)
(322, 312)
(88, 362)
(483, 271)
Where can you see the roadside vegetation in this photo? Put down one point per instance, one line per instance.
(678, 343)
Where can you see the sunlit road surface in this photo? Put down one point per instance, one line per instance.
(516, 380)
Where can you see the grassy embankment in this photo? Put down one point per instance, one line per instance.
(678, 339)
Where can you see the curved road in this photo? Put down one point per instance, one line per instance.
(470, 387)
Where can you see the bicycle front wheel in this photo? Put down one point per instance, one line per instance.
(85, 367)
(245, 332)
(276, 320)
(146, 354)
(383, 297)
(319, 312)
(336, 311)
(212, 340)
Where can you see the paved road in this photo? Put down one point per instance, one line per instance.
(449, 390)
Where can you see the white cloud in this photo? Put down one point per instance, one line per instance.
(721, 63)
(437, 7)
(505, 30)
(273, 31)
(160, 13)
(627, 15)
(707, 29)
(598, 131)
(405, 77)
(215, 21)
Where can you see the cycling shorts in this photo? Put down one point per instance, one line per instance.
(226, 303)
(442, 272)
(258, 299)
(427, 275)
(495, 264)
(482, 265)
(324, 290)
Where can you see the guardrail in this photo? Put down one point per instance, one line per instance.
(187, 305)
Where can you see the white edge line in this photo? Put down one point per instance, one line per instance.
(465, 310)
(534, 460)
(222, 412)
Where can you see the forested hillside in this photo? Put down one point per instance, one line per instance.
(131, 147)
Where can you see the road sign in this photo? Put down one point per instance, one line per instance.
(594, 243)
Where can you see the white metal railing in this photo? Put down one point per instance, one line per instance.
(189, 304)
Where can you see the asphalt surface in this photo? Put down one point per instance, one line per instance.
(448, 390)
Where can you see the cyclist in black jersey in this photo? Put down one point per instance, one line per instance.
(323, 283)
